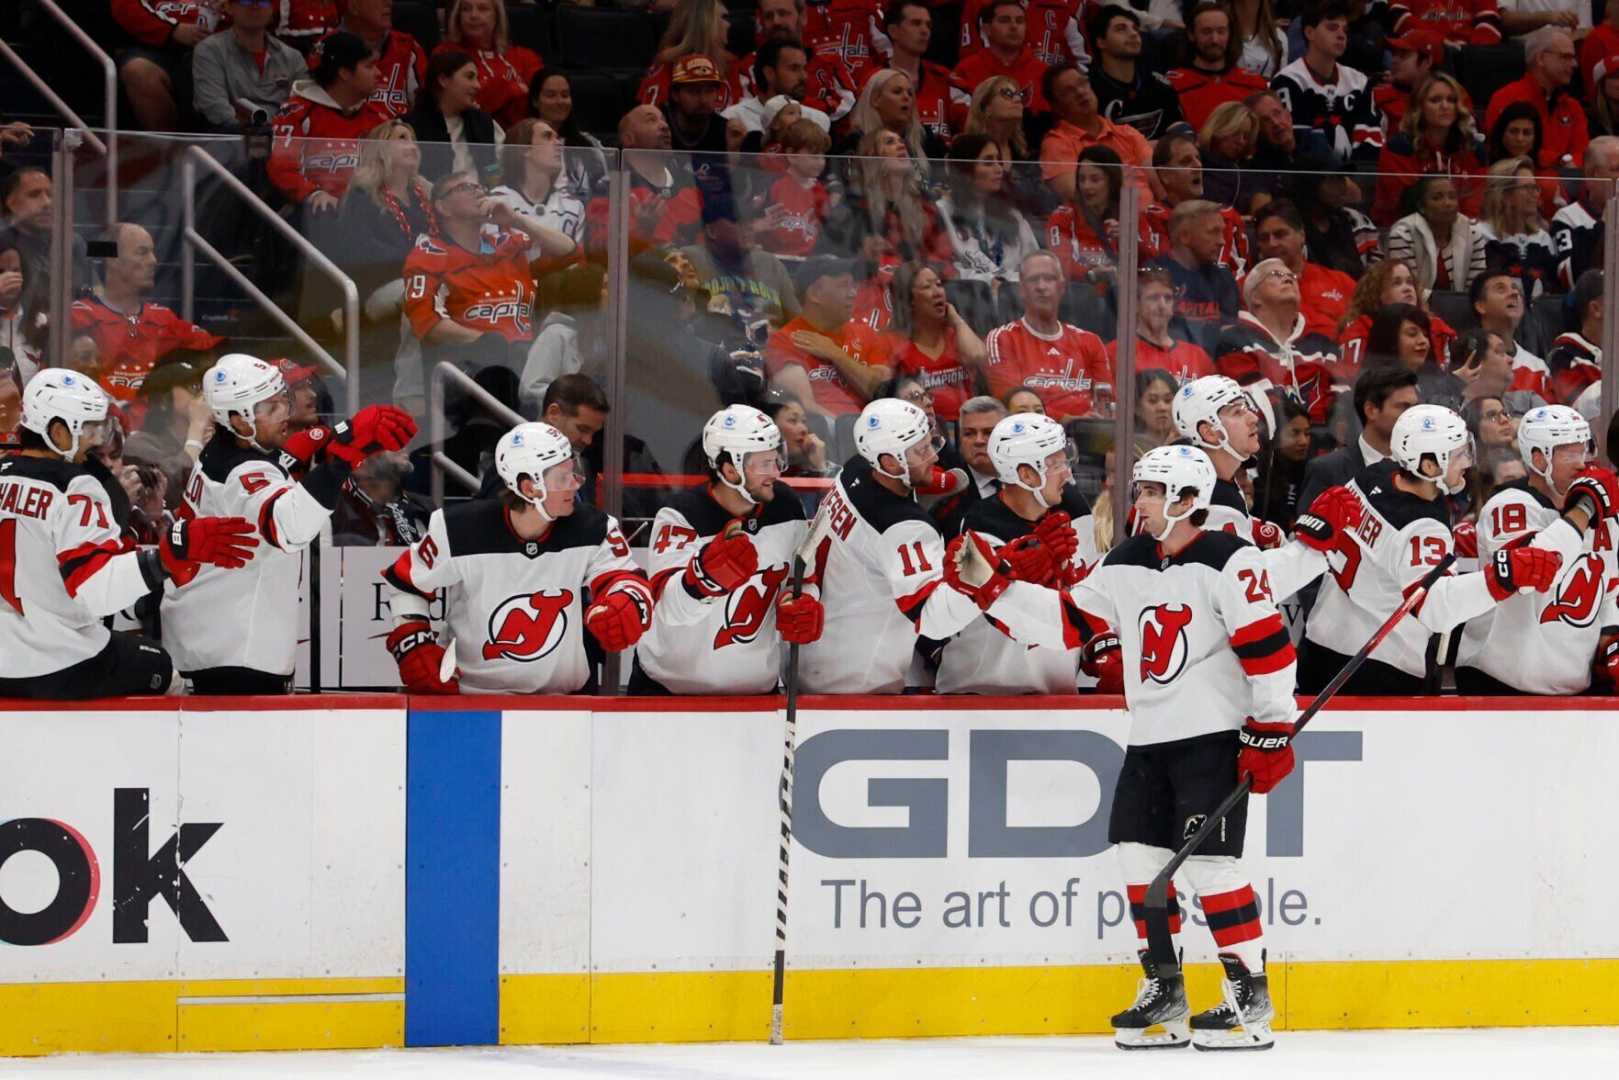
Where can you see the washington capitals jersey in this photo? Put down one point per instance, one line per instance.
(1400, 538)
(315, 145)
(982, 659)
(1338, 118)
(128, 346)
(248, 617)
(718, 644)
(515, 607)
(881, 575)
(1203, 641)
(1300, 367)
(401, 71)
(491, 289)
(1544, 643)
(63, 566)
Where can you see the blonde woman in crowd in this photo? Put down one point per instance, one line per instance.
(1515, 235)
(482, 28)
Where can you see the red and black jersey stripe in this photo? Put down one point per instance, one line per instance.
(1263, 647)
(1233, 917)
(911, 606)
(1078, 625)
(398, 575)
(79, 564)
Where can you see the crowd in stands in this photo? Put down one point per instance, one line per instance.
(856, 198)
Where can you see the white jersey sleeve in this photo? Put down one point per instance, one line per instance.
(675, 543)
(421, 571)
(98, 569)
(1454, 598)
(1253, 622)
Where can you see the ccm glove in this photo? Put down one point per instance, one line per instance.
(374, 428)
(1266, 755)
(1599, 485)
(620, 618)
(800, 619)
(1102, 660)
(191, 542)
(1521, 568)
(972, 569)
(723, 563)
(420, 658)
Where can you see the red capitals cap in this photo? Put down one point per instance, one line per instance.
(695, 70)
(1420, 41)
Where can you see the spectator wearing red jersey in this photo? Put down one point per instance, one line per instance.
(401, 63)
(482, 29)
(1601, 42)
(1271, 345)
(1325, 293)
(909, 25)
(830, 362)
(1178, 166)
(469, 291)
(114, 325)
(778, 71)
(696, 28)
(790, 215)
(167, 31)
(1214, 75)
(301, 23)
(1006, 29)
(1412, 59)
(828, 84)
(849, 31)
(316, 134)
(1068, 366)
(1463, 22)
(665, 209)
(1055, 32)
(933, 343)
(1549, 53)
(1084, 232)
(455, 133)
(1437, 136)
(1156, 348)
(1389, 281)
(1080, 125)
(242, 75)
(1129, 91)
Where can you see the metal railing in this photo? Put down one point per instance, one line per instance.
(446, 371)
(349, 369)
(109, 73)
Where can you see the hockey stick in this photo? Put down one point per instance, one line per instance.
(1160, 943)
(805, 550)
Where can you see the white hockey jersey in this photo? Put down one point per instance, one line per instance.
(248, 617)
(1544, 643)
(881, 577)
(63, 566)
(722, 644)
(1401, 537)
(984, 660)
(1292, 566)
(1203, 641)
(516, 607)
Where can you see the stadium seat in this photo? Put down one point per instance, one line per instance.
(532, 29)
(1484, 69)
(417, 18)
(1454, 308)
(599, 99)
(591, 39)
(1546, 318)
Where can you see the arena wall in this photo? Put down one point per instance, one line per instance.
(372, 870)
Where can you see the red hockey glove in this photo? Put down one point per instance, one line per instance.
(1334, 514)
(973, 570)
(374, 428)
(1102, 660)
(420, 657)
(1521, 568)
(1266, 754)
(1606, 664)
(218, 541)
(1465, 535)
(1027, 559)
(298, 453)
(620, 618)
(723, 563)
(1267, 535)
(944, 482)
(1600, 486)
(800, 619)
(1056, 531)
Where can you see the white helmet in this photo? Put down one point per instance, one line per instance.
(1545, 429)
(1202, 399)
(1430, 429)
(1177, 468)
(1026, 439)
(529, 450)
(737, 431)
(74, 399)
(890, 426)
(235, 385)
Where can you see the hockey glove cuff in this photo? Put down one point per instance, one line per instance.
(723, 563)
(420, 657)
(191, 542)
(1102, 660)
(620, 617)
(298, 453)
(1266, 754)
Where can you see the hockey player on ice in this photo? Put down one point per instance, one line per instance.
(515, 571)
(1394, 529)
(64, 565)
(242, 472)
(1548, 643)
(721, 561)
(1208, 671)
(1039, 520)
(880, 566)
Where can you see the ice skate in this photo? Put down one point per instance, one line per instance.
(1242, 1020)
(1157, 1019)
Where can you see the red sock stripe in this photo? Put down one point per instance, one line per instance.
(1233, 917)
(1138, 909)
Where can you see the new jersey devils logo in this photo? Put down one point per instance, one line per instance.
(528, 626)
(1576, 602)
(746, 607)
(1163, 641)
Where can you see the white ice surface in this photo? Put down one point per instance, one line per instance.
(1538, 1053)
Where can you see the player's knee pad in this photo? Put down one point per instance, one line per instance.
(1211, 875)
(1141, 862)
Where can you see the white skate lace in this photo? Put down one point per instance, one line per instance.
(1147, 992)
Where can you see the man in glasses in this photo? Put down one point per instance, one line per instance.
(1270, 344)
(1549, 54)
(1324, 292)
(1129, 92)
(721, 559)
